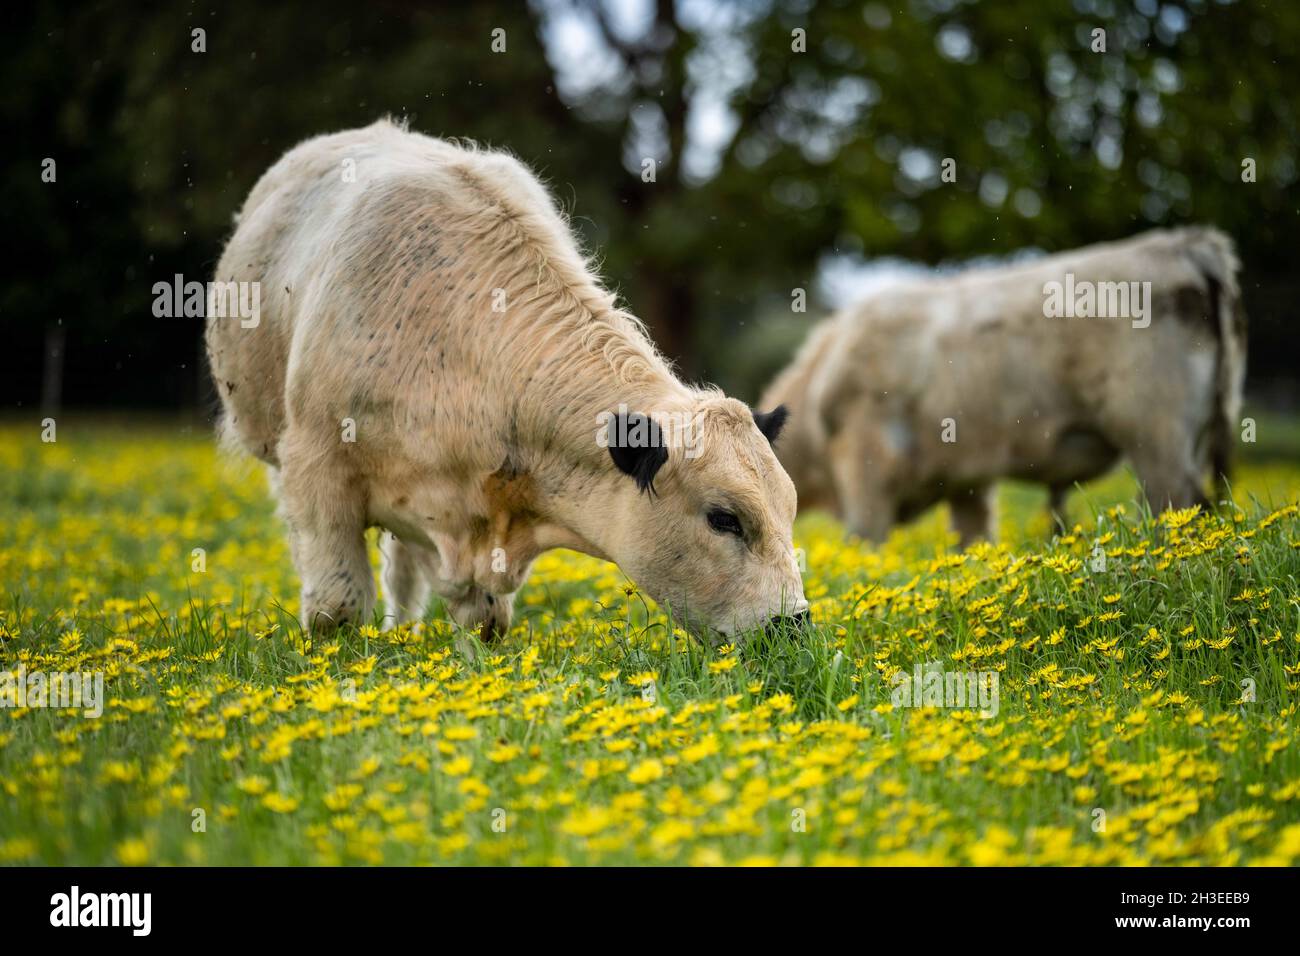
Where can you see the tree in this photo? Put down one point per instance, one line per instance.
(780, 133)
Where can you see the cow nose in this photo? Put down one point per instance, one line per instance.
(791, 623)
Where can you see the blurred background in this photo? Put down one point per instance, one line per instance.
(797, 146)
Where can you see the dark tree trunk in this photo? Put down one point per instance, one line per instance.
(670, 316)
(52, 374)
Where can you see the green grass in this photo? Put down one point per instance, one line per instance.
(1121, 694)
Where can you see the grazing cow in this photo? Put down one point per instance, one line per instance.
(1046, 371)
(434, 357)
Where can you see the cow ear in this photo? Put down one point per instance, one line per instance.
(636, 444)
(771, 423)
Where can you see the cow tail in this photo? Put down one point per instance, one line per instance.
(1215, 257)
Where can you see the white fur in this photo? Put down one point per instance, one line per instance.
(1041, 398)
(475, 428)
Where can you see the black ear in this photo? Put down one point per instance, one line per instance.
(636, 444)
(771, 423)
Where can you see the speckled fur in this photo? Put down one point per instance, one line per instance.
(475, 429)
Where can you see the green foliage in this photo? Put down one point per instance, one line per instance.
(1160, 690)
(836, 149)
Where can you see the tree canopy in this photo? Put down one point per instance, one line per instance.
(781, 133)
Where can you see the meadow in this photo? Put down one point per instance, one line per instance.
(1147, 672)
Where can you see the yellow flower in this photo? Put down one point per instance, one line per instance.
(133, 852)
(457, 767)
(646, 771)
(279, 803)
(363, 666)
(253, 786)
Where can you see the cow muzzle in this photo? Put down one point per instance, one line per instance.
(794, 624)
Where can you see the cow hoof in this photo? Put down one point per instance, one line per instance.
(326, 618)
(487, 615)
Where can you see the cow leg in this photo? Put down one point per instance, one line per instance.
(1167, 470)
(406, 584)
(326, 516)
(500, 611)
(1056, 497)
(972, 514)
(475, 609)
(870, 522)
(866, 510)
(488, 616)
(858, 465)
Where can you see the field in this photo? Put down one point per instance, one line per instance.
(1146, 676)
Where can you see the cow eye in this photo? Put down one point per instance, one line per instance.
(724, 522)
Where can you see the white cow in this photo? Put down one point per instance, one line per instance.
(434, 356)
(1046, 371)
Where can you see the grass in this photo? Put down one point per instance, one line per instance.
(1146, 713)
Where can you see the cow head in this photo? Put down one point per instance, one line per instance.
(703, 514)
